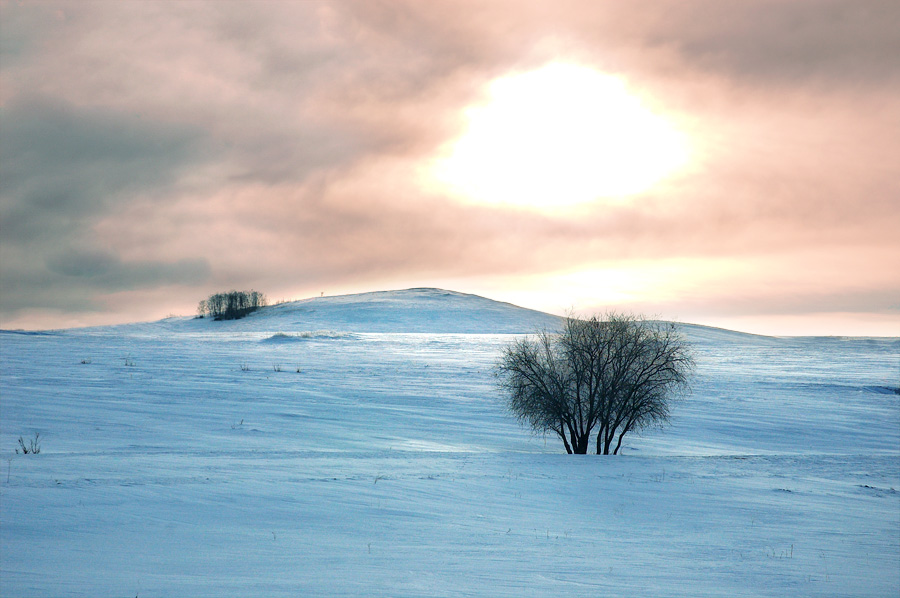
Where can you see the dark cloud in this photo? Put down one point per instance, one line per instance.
(62, 161)
(104, 270)
(64, 168)
(833, 42)
(76, 283)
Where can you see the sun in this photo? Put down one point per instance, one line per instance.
(557, 137)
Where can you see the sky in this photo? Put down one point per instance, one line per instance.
(735, 164)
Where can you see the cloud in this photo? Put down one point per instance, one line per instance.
(831, 43)
(212, 145)
(63, 168)
(77, 283)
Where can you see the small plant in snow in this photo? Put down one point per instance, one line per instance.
(129, 362)
(298, 369)
(86, 361)
(245, 367)
(32, 445)
(276, 367)
(782, 554)
(237, 425)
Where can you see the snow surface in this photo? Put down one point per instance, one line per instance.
(181, 462)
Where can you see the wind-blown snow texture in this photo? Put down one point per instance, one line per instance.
(180, 462)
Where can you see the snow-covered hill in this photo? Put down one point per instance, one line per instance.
(418, 310)
(407, 311)
(357, 445)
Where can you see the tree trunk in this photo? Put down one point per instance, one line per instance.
(581, 447)
(601, 434)
(625, 430)
(607, 442)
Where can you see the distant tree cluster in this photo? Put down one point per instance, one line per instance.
(600, 378)
(231, 305)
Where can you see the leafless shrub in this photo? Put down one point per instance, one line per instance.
(32, 445)
(613, 374)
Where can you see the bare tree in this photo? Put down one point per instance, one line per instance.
(610, 375)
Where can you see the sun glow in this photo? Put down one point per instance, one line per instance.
(560, 136)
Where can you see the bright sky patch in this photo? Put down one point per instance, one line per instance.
(560, 136)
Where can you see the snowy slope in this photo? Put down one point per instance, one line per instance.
(192, 458)
(418, 310)
(410, 311)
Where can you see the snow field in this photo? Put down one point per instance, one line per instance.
(388, 466)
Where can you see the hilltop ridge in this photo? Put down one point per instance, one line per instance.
(415, 310)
